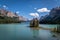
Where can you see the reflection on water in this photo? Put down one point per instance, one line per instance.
(41, 34)
(58, 28)
(35, 32)
(22, 32)
(55, 35)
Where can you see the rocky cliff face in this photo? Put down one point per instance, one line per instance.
(7, 16)
(53, 17)
(3, 12)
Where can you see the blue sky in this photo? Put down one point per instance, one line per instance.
(25, 7)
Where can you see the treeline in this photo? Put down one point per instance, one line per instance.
(9, 20)
(10, 17)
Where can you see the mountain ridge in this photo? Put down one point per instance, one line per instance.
(52, 18)
(10, 17)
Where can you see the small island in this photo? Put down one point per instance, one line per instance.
(34, 22)
(52, 18)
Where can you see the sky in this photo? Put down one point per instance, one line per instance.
(30, 8)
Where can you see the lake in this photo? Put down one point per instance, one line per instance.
(21, 31)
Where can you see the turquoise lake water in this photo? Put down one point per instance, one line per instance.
(21, 31)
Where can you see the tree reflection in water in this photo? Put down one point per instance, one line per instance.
(56, 34)
(35, 32)
(58, 28)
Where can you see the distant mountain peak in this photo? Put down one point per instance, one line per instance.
(53, 17)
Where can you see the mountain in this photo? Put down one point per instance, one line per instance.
(52, 18)
(10, 17)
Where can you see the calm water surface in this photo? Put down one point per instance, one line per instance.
(21, 31)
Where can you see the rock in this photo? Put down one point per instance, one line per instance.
(53, 35)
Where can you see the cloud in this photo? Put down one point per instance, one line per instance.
(35, 8)
(34, 14)
(4, 6)
(17, 12)
(43, 10)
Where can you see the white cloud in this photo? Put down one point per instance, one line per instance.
(17, 12)
(4, 6)
(43, 10)
(34, 14)
(35, 8)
